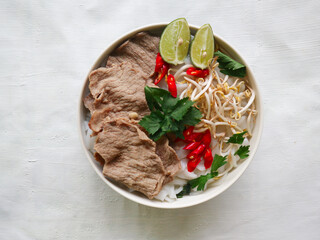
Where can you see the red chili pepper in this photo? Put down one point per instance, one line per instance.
(193, 71)
(161, 68)
(206, 139)
(192, 146)
(197, 72)
(190, 136)
(199, 144)
(162, 73)
(205, 73)
(187, 132)
(172, 87)
(208, 159)
(197, 152)
(192, 164)
(159, 63)
(196, 137)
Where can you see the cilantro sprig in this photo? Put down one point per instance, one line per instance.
(237, 138)
(201, 181)
(243, 152)
(229, 66)
(168, 114)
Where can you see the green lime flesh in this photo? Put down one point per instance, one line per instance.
(202, 47)
(174, 42)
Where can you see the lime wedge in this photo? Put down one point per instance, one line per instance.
(202, 47)
(174, 42)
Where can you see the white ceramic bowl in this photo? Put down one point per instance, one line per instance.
(187, 200)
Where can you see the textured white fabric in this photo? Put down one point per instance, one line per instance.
(48, 190)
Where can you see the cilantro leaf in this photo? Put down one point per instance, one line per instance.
(218, 161)
(168, 125)
(179, 132)
(237, 138)
(168, 114)
(181, 109)
(152, 122)
(157, 135)
(154, 97)
(192, 117)
(169, 104)
(185, 191)
(243, 152)
(200, 182)
(229, 66)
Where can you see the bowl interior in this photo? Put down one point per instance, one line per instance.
(188, 200)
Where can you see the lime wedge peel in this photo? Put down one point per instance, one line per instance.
(202, 47)
(174, 42)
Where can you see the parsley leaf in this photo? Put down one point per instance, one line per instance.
(181, 109)
(200, 182)
(169, 103)
(243, 152)
(168, 114)
(218, 162)
(168, 125)
(179, 132)
(237, 138)
(152, 123)
(229, 66)
(185, 191)
(192, 117)
(154, 96)
(157, 135)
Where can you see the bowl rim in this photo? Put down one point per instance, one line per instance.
(148, 202)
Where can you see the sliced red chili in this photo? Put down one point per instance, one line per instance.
(193, 71)
(192, 164)
(199, 144)
(205, 73)
(159, 63)
(197, 72)
(162, 73)
(192, 156)
(197, 152)
(187, 132)
(190, 136)
(190, 71)
(206, 139)
(192, 146)
(207, 157)
(172, 87)
(161, 68)
(196, 137)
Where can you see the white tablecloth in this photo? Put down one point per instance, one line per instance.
(48, 190)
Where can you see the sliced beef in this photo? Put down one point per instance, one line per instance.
(98, 158)
(169, 158)
(140, 50)
(118, 88)
(89, 103)
(116, 94)
(130, 157)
